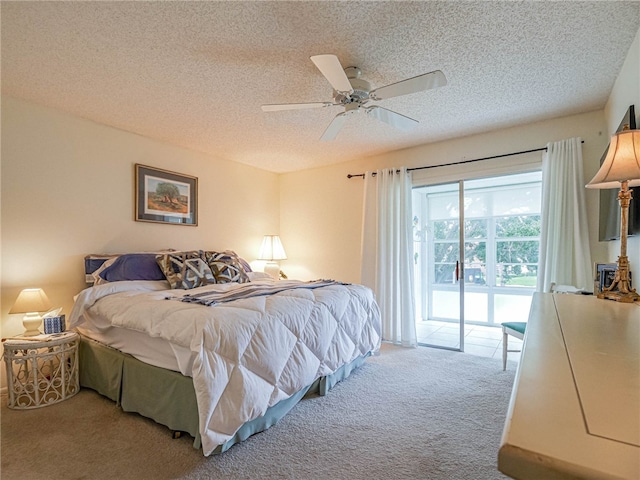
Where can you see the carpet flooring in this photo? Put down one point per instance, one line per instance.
(406, 414)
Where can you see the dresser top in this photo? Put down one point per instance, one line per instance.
(575, 407)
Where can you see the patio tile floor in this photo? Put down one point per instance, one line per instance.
(479, 340)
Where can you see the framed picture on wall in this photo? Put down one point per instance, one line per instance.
(165, 197)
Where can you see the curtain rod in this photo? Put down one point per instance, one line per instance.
(461, 163)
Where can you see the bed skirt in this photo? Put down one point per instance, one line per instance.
(169, 397)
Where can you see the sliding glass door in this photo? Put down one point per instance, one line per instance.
(484, 273)
(437, 246)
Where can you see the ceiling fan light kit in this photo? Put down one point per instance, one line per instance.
(353, 93)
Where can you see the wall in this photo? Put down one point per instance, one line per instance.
(626, 91)
(321, 210)
(68, 190)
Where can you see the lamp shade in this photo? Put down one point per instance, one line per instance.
(621, 163)
(31, 300)
(271, 249)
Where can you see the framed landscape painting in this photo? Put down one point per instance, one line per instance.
(165, 197)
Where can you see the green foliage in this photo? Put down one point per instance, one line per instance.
(446, 230)
(445, 252)
(517, 251)
(516, 241)
(518, 226)
(523, 281)
(168, 190)
(475, 229)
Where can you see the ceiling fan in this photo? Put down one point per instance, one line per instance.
(354, 93)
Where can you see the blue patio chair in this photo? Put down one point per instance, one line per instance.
(515, 329)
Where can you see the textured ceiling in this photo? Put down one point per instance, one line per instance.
(196, 73)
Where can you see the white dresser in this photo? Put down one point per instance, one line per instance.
(575, 407)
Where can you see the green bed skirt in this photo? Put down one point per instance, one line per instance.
(169, 397)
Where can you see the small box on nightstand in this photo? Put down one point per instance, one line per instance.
(54, 324)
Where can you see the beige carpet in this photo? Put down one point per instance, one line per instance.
(406, 414)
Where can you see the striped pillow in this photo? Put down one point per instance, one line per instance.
(185, 270)
(226, 267)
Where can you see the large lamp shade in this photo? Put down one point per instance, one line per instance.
(272, 249)
(621, 163)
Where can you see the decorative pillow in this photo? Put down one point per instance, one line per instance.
(132, 266)
(185, 269)
(226, 267)
(95, 264)
(95, 278)
(245, 265)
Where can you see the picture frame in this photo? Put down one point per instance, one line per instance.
(604, 276)
(602, 271)
(177, 201)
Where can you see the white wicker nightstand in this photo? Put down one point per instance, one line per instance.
(41, 372)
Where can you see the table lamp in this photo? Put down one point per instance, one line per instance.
(621, 169)
(272, 251)
(31, 301)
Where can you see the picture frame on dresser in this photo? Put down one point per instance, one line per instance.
(604, 276)
(163, 196)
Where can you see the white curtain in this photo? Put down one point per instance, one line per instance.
(387, 252)
(565, 258)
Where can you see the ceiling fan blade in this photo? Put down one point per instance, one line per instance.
(294, 106)
(330, 67)
(334, 127)
(392, 118)
(411, 85)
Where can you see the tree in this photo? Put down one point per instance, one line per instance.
(168, 192)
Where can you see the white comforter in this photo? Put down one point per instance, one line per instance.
(249, 353)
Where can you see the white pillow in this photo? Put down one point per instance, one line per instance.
(259, 276)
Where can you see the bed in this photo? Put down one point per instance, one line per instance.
(198, 342)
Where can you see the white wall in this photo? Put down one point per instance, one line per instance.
(626, 91)
(321, 210)
(68, 190)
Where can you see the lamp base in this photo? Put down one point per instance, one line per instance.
(272, 269)
(620, 289)
(31, 324)
(628, 297)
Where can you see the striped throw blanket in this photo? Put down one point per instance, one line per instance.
(248, 290)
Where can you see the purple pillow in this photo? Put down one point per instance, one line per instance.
(133, 266)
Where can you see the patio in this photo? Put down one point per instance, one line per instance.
(480, 340)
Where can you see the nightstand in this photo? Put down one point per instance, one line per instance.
(41, 370)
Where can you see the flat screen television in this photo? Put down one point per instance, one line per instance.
(609, 206)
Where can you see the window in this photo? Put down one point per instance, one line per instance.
(501, 245)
